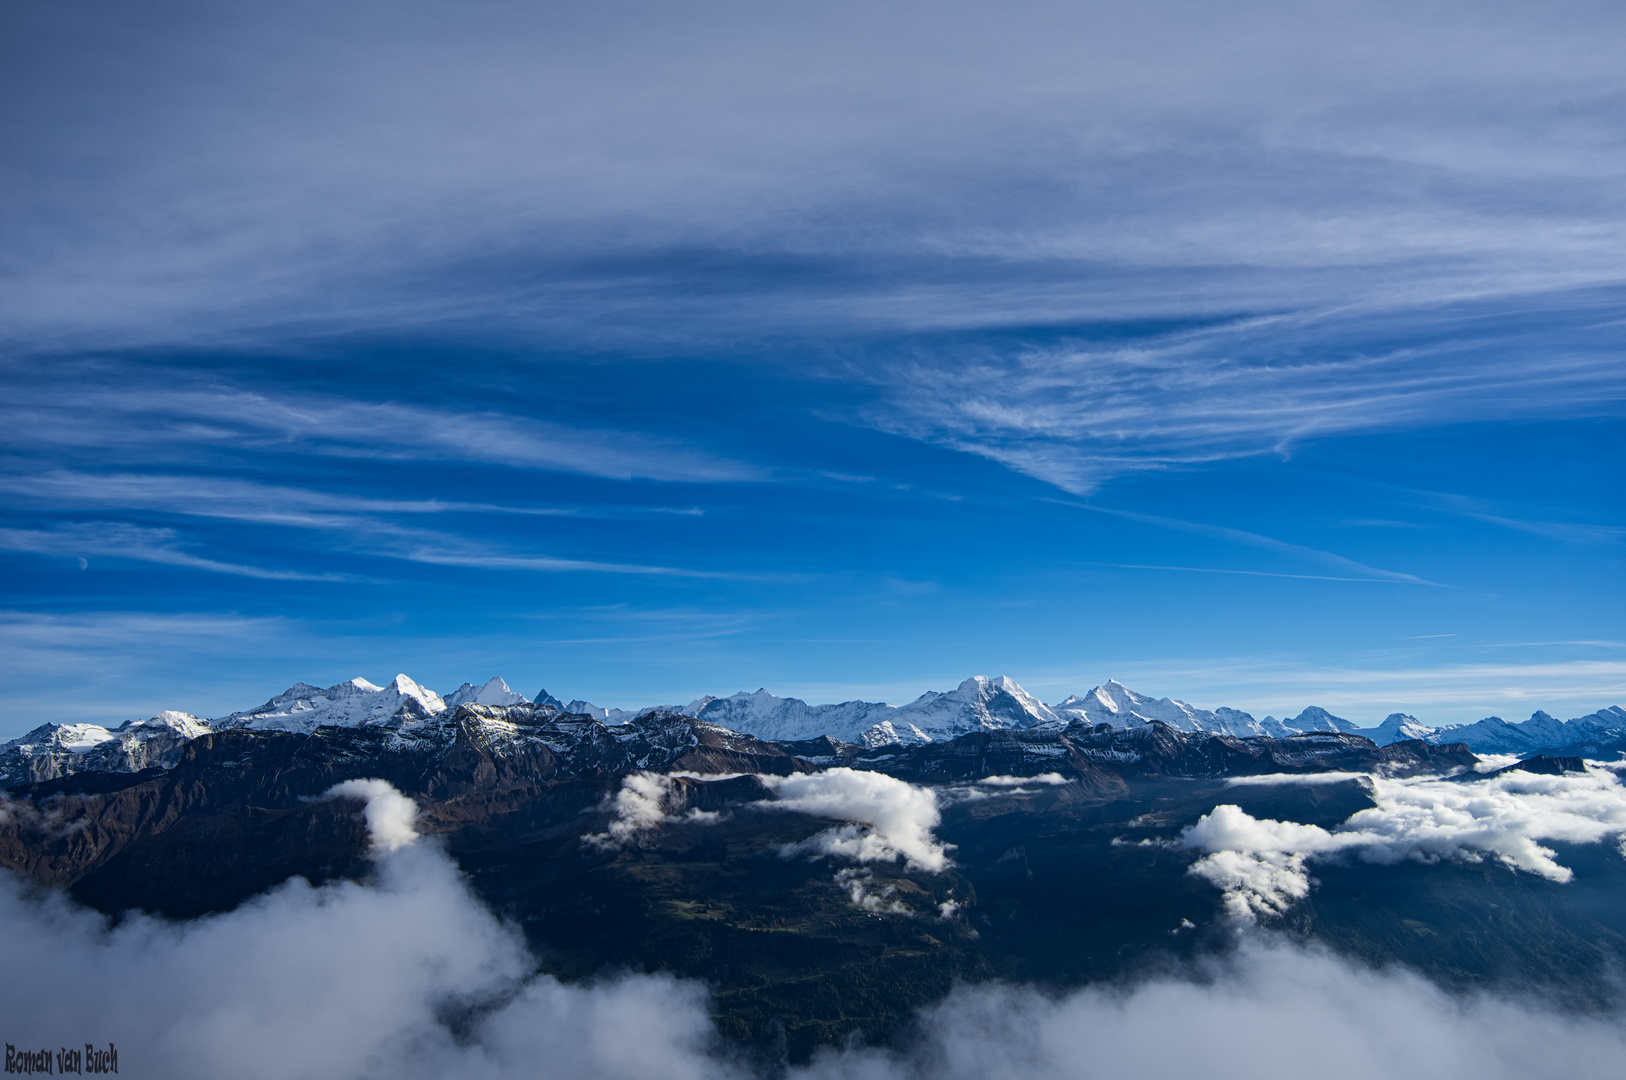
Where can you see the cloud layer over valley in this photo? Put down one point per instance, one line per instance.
(409, 976)
(1260, 865)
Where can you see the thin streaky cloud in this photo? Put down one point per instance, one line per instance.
(487, 560)
(1324, 145)
(1563, 531)
(123, 629)
(275, 504)
(442, 549)
(1250, 539)
(1592, 643)
(58, 413)
(120, 541)
(1255, 573)
(1496, 513)
(1074, 415)
(360, 534)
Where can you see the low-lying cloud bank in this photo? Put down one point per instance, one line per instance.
(640, 806)
(1272, 1011)
(409, 976)
(1260, 864)
(886, 818)
(883, 819)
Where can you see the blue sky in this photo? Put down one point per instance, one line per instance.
(1262, 357)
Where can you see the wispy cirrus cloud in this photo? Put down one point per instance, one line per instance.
(1353, 570)
(237, 499)
(1076, 414)
(1568, 532)
(340, 522)
(446, 550)
(116, 631)
(1255, 573)
(117, 540)
(111, 666)
(152, 423)
(840, 167)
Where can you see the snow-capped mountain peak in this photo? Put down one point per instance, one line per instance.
(1542, 732)
(978, 703)
(1398, 727)
(769, 717)
(1315, 718)
(1114, 703)
(53, 750)
(352, 703)
(494, 692)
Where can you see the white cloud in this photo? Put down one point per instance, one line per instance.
(361, 980)
(861, 890)
(640, 806)
(111, 539)
(888, 818)
(331, 984)
(1074, 416)
(1271, 1013)
(391, 816)
(1261, 159)
(356, 519)
(369, 979)
(237, 499)
(1049, 779)
(154, 423)
(1260, 864)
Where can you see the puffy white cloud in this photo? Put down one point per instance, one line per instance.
(391, 816)
(1503, 816)
(861, 890)
(887, 818)
(1255, 883)
(640, 806)
(1259, 864)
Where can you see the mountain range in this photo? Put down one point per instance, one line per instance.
(823, 889)
(979, 703)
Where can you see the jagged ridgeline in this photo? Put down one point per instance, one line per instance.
(826, 886)
(977, 704)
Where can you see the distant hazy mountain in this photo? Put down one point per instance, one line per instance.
(1587, 736)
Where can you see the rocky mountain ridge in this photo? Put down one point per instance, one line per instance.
(492, 753)
(669, 843)
(979, 704)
